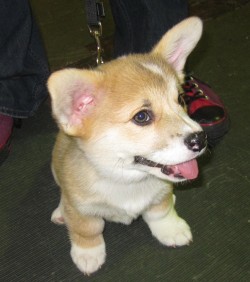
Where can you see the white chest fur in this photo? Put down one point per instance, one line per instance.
(123, 202)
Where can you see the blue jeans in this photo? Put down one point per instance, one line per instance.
(141, 23)
(23, 64)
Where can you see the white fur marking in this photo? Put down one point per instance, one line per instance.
(171, 232)
(170, 229)
(153, 68)
(88, 260)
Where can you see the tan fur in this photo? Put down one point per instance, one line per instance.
(93, 158)
(85, 231)
(166, 204)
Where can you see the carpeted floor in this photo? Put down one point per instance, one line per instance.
(216, 205)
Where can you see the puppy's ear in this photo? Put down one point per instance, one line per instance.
(74, 95)
(178, 42)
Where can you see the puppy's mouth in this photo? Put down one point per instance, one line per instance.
(187, 170)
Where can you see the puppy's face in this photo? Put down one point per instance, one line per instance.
(126, 114)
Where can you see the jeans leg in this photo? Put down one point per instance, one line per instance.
(23, 63)
(141, 23)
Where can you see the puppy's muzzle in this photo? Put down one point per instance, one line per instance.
(196, 141)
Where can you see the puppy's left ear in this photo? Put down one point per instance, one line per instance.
(178, 42)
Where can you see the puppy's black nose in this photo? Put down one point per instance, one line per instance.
(196, 141)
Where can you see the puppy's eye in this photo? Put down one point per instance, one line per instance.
(143, 118)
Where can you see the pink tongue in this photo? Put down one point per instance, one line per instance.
(188, 170)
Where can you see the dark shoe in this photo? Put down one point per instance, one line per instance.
(205, 107)
(7, 124)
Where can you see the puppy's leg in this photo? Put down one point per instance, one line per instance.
(166, 225)
(57, 215)
(87, 243)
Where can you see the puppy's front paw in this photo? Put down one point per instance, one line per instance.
(88, 260)
(171, 231)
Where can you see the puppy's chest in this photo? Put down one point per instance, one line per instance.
(118, 200)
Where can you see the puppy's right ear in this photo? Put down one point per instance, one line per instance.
(179, 41)
(75, 94)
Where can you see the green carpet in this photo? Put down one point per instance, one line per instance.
(216, 205)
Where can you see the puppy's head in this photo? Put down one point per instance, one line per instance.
(126, 115)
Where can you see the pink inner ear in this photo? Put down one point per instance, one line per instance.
(82, 103)
(81, 107)
(176, 59)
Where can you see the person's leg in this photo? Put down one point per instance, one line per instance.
(140, 24)
(23, 67)
(23, 63)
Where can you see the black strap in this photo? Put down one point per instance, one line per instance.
(94, 12)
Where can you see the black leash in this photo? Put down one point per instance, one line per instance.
(94, 14)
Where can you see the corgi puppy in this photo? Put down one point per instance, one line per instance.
(124, 139)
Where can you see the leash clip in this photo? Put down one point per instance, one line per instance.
(96, 32)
